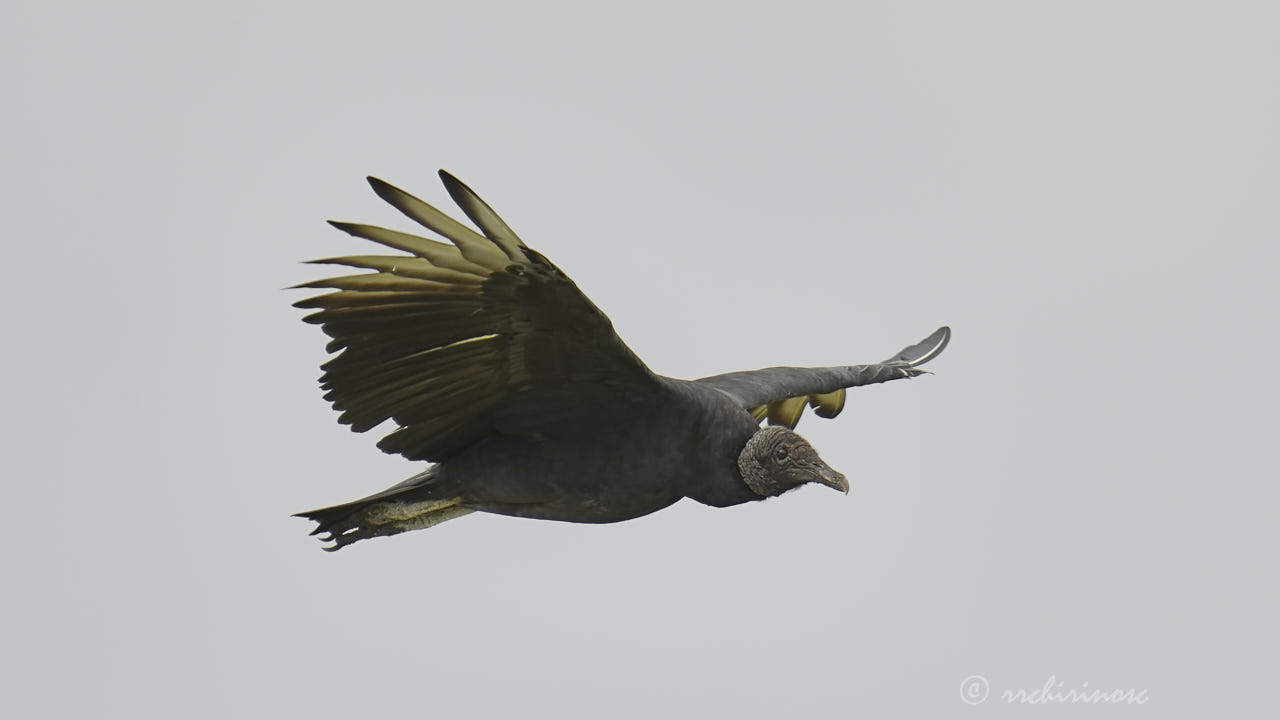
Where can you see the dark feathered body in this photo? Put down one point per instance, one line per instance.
(613, 473)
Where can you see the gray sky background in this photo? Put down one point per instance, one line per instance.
(1086, 192)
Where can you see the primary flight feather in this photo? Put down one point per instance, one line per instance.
(499, 371)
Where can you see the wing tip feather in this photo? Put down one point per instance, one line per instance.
(925, 350)
(346, 227)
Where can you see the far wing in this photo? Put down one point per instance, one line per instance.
(454, 342)
(781, 393)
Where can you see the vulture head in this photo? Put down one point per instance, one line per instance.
(776, 460)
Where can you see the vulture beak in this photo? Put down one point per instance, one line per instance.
(832, 479)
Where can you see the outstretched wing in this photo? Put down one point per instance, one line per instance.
(457, 342)
(781, 393)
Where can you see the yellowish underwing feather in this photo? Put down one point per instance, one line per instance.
(482, 215)
(377, 282)
(828, 405)
(787, 412)
(473, 246)
(437, 253)
(405, 266)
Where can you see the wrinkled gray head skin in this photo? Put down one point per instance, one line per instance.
(776, 460)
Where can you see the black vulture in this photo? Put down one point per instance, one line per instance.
(498, 370)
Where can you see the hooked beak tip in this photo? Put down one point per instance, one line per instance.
(835, 481)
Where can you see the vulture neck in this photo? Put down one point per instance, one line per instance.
(724, 491)
(722, 437)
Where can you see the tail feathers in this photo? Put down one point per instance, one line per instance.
(400, 508)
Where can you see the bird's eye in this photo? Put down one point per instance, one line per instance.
(780, 454)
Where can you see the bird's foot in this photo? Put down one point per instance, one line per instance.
(381, 519)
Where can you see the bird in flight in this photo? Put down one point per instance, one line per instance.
(497, 369)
